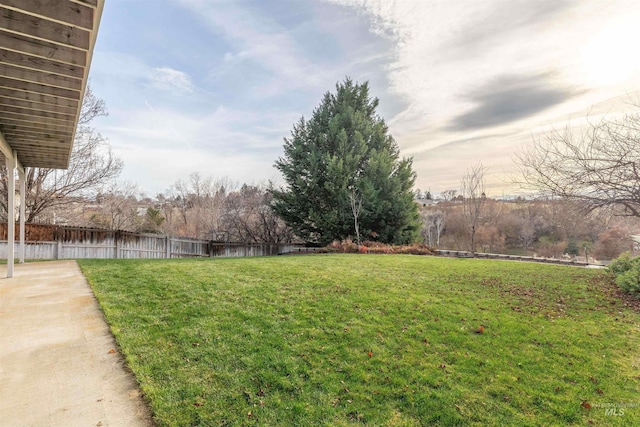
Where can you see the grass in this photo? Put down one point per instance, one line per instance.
(372, 339)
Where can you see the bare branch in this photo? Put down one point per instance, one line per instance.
(598, 165)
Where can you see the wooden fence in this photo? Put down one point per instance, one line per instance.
(61, 242)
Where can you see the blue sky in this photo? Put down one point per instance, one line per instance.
(213, 86)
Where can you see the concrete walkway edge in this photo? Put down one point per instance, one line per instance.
(59, 364)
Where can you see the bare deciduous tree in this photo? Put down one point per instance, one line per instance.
(355, 200)
(249, 217)
(598, 165)
(472, 189)
(118, 209)
(449, 195)
(432, 226)
(208, 208)
(91, 165)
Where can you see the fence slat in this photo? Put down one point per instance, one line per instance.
(63, 242)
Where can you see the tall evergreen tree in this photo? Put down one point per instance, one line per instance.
(342, 152)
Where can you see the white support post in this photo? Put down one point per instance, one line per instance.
(11, 218)
(23, 186)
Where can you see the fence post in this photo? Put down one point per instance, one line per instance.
(116, 240)
(168, 246)
(59, 247)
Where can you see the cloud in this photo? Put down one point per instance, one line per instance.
(495, 23)
(509, 98)
(445, 49)
(162, 144)
(173, 80)
(260, 39)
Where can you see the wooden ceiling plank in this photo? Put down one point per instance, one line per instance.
(45, 152)
(12, 102)
(11, 93)
(35, 119)
(23, 143)
(42, 49)
(36, 108)
(41, 28)
(49, 143)
(34, 133)
(12, 127)
(33, 148)
(40, 64)
(93, 3)
(37, 113)
(39, 145)
(38, 88)
(45, 127)
(44, 162)
(39, 77)
(65, 12)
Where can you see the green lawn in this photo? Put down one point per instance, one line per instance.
(372, 339)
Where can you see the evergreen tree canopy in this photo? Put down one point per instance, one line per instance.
(342, 152)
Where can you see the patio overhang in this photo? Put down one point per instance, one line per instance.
(45, 53)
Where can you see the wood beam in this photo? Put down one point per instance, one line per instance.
(46, 162)
(53, 147)
(21, 23)
(36, 119)
(65, 12)
(39, 131)
(38, 88)
(39, 98)
(31, 143)
(36, 113)
(40, 77)
(40, 64)
(42, 49)
(36, 106)
(44, 127)
(89, 2)
(18, 131)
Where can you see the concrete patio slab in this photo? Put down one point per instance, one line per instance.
(59, 365)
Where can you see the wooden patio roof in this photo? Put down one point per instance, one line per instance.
(45, 53)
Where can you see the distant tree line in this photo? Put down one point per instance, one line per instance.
(200, 207)
(545, 227)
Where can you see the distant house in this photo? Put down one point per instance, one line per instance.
(425, 202)
(424, 199)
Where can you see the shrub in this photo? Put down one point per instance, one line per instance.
(383, 249)
(629, 281)
(368, 246)
(345, 246)
(626, 270)
(622, 264)
(416, 249)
